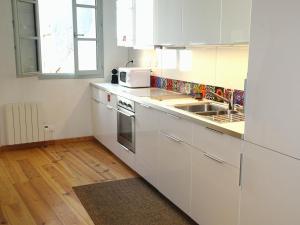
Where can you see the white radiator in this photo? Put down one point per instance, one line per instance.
(24, 123)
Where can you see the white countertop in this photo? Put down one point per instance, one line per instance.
(146, 95)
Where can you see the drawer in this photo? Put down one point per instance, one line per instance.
(104, 97)
(177, 127)
(99, 95)
(218, 145)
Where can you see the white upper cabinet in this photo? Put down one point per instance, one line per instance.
(201, 21)
(235, 22)
(273, 77)
(168, 22)
(125, 22)
(144, 23)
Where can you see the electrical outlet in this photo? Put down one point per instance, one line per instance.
(48, 132)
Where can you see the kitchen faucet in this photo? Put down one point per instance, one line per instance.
(228, 100)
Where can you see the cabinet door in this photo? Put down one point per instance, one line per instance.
(274, 64)
(236, 19)
(96, 118)
(201, 21)
(110, 129)
(270, 188)
(125, 22)
(168, 22)
(144, 23)
(147, 142)
(101, 122)
(215, 191)
(174, 170)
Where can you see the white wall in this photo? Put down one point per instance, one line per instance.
(224, 66)
(66, 102)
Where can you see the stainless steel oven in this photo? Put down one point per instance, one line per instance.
(126, 123)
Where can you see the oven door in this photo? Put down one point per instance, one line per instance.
(126, 129)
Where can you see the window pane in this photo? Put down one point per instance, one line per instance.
(27, 19)
(57, 38)
(87, 55)
(86, 22)
(29, 56)
(86, 2)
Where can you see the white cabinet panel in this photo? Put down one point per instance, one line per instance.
(215, 191)
(273, 65)
(168, 22)
(147, 121)
(218, 144)
(270, 188)
(201, 21)
(174, 171)
(125, 22)
(177, 127)
(236, 19)
(96, 119)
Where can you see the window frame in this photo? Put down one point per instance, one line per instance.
(98, 73)
(18, 38)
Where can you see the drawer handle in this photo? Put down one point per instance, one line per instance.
(172, 138)
(215, 131)
(109, 107)
(171, 115)
(95, 100)
(214, 158)
(145, 106)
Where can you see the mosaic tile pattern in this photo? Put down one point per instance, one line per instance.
(193, 88)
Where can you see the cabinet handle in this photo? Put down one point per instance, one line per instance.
(172, 138)
(145, 106)
(171, 115)
(241, 169)
(109, 107)
(215, 131)
(95, 100)
(214, 158)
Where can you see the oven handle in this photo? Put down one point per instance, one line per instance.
(125, 114)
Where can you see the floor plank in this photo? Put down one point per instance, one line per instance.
(36, 183)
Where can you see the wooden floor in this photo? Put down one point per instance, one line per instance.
(36, 184)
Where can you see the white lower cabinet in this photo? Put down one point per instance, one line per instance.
(147, 142)
(270, 188)
(214, 190)
(96, 119)
(174, 164)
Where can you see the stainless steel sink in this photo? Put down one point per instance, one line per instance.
(213, 112)
(201, 108)
(218, 113)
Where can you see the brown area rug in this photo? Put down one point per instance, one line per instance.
(129, 202)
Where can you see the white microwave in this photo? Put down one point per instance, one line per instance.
(134, 77)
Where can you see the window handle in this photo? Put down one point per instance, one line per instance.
(78, 35)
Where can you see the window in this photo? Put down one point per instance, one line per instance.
(58, 38)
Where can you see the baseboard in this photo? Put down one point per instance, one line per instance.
(47, 143)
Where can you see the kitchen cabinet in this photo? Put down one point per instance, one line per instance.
(174, 164)
(235, 22)
(168, 22)
(96, 119)
(215, 190)
(147, 142)
(201, 21)
(125, 22)
(270, 187)
(272, 119)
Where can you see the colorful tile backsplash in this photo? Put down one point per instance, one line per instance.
(193, 88)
